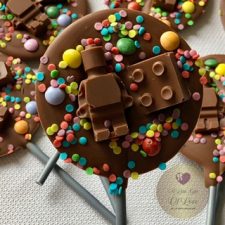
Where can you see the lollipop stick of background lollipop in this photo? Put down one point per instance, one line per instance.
(220, 203)
(118, 203)
(71, 182)
(211, 206)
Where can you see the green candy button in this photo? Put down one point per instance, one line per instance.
(126, 46)
(52, 12)
(211, 62)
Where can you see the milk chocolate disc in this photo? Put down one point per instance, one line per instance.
(28, 27)
(179, 14)
(18, 109)
(113, 100)
(206, 145)
(129, 4)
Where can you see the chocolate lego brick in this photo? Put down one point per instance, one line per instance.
(33, 25)
(18, 114)
(160, 82)
(109, 103)
(151, 135)
(166, 10)
(6, 76)
(28, 15)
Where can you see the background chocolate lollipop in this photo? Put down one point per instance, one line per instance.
(156, 120)
(18, 109)
(28, 27)
(206, 145)
(178, 14)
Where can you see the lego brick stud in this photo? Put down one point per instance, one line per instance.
(158, 68)
(138, 75)
(146, 100)
(167, 93)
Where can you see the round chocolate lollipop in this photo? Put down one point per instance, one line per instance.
(130, 4)
(131, 119)
(178, 14)
(18, 109)
(205, 146)
(28, 27)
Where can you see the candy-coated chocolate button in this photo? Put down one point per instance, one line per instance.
(54, 96)
(188, 7)
(126, 46)
(21, 127)
(72, 57)
(170, 40)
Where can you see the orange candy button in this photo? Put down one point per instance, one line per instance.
(21, 127)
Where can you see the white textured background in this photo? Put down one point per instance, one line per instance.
(22, 202)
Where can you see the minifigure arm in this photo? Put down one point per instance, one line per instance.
(82, 111)
(126, 98)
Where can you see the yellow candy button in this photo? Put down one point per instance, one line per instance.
(170, 40)
(188, 7)
(220, 69)
(73, 58)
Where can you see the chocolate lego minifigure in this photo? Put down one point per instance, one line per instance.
(160, 83)
(28, 15)
(102, 97)
(208, 120)
(168, 5)
(5, 74)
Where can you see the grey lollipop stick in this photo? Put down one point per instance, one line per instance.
(48, 168)
(220, 203)
(211, 206)
(105, 183)
(120, 207)
(74, 185)
(118, 203)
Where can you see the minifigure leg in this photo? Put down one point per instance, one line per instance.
(101, 133)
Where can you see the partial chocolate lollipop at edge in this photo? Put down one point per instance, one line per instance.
(120, 94)
(18, 109)
(206, 145)
(179, 14)
(29, 27)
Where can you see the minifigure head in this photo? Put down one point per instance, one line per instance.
(93, 60)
